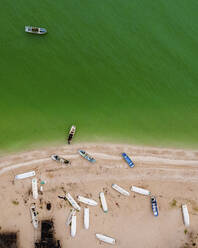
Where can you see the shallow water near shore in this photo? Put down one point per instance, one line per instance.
(118, 70)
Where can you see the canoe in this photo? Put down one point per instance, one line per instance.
(128, 160)
(71, 134)
(105, 239)
(34, 216)
(35, 30)
(86, 218)
(73, 226)
(34, 188)
(25, 175)
(72, 202)
(87, 200)
(103, 202)
(120, 190)
(185, 215)
(69, 218)
(140, 190)
(86, 156)
(154, 206)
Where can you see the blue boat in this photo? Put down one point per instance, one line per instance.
(154, 206)
(128, 160)
(86, 156)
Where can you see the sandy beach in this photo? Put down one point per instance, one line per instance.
(170, 174)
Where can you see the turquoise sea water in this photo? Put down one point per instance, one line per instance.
(122, 71)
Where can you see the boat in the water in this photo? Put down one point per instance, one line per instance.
(154, 205)
(34, 216)
(71, 134)
(60, 159)
(128, 160)
(35, 30)
(87, 156)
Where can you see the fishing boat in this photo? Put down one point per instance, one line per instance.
(35, 30)
(128, 160)
(60, 159)
(87, 156)
(71, 134)
(154, 205)
(105, 239)
(87, 201)
(25, 175)
(140, 190)
(34, 216)
(103, 202)
(185, 215)
(120, 190)
(73, 225)
(86, 218)
(69, 218)
(72, 202)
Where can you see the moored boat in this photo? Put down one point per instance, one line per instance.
(35, 30)
(87, 156)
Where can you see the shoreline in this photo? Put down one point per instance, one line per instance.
(170, 174)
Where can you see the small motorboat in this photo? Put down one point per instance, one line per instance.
(35, 30)
(34, 216)
(154, 206)
(60, 159)
(71, 134)
(128, 160)
(87, 156)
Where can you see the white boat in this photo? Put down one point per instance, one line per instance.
(34, 216)
(185, 215)
(73, 226)
(86, 218)
(25, 175)
(35, 30)
(72, 202)
(71, 134)
(34, 188)
(87, 201)
(69, 218)
(120, 190)
(103, 202)
(140, 190)
(105, 239)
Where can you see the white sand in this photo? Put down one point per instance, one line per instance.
(168, 173)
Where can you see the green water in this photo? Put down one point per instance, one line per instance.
(121, 70)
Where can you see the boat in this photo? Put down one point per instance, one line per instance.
(105, 238)
(185, 215)
(35, 30)
(72, 202)
(73, 226)
(140, 190)
(86, 218)
(34, 216)
(120, 190)
(154, 206)
(34, 188)
(128, 160)
(25, 175)
(71, 134)
(86, 156)
(103, 202)
(60, 159)
(69, 218)
(87, 201)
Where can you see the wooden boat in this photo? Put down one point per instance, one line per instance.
(120, 190)
(140, 190)
(34, 216)
(185, 215)
(87, 201)
(69, 218)
(105, 238)
(71, 134)
(86, 218)
(154, 205)
(87, 156)
(34, 188)
(35, 30)
(60, 159)
(25, 175)
(72, 202)
(73, 226)
(128, 160)
(103, 202)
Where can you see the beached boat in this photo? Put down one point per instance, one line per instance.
(120, 190)
(128, 160)
(73, 226)
(185, 215)
(71, 134)
(34, 188)
(105, 238)
(87, 156)
(25, 175)
(87, 201)
(35, 30)
(86, 218)
(34, 216)
(72, 202)
(140, 190)
(103, 202)
(154, 205)
(69, 218)
(60, 159)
